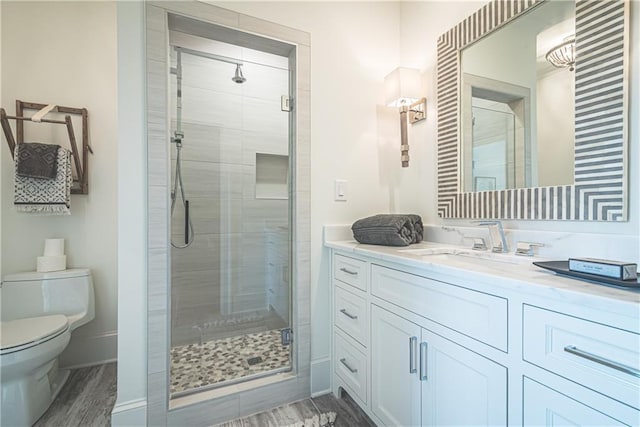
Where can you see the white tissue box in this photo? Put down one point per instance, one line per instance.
(51, 263)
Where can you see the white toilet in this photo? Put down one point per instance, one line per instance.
(39, 311)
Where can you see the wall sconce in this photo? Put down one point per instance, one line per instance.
(401, 87)
(564, 54)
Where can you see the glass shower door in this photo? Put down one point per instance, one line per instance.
(230, 288)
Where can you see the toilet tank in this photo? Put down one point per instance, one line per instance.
(68, 292)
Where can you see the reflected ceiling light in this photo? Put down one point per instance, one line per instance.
(563, 55)
(401, 88)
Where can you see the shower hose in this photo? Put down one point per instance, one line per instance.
(189, 233)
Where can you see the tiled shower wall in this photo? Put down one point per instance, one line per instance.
(237, 262)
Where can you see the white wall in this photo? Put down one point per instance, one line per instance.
(65, 53)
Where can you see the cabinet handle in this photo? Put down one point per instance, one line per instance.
(349, 315)
(344, 362)
(602, 361)
(423, 361)
(346, 270)
(413, 348)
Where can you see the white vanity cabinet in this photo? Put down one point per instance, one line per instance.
(395, 381)
(591, 357)
(416, 377)
(420, 378)
(428, 346)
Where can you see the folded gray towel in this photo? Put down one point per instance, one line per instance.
(36, 160)
(384, 229)
(418, 228)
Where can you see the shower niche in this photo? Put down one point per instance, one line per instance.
(272, 176)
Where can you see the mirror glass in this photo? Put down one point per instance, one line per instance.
(517, 108)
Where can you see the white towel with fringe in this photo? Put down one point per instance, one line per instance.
(45, 196)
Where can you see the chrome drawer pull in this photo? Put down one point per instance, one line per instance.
(346, 270)
(412, 354)
(423, 361)
(601, 360)
(349, 315)
(344, 362)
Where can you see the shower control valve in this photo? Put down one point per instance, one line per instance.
(177, 137)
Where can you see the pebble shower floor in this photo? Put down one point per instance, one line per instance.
(212, 362)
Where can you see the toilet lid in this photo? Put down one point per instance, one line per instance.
(15, 333)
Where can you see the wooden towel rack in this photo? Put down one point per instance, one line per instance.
(81, 184)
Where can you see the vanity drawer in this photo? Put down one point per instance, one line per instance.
(600, 357)
(350, 270)
(544, 406)
(351, 366)
(478, 315)
(350, 314)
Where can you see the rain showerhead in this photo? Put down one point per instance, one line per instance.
(238, 78)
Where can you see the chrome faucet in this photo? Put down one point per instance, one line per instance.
(498, 238)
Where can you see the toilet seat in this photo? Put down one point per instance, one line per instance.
(21, 334)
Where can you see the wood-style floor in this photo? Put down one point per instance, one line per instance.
(348, 413)
(87, 399)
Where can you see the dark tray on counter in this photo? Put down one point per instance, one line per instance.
(562, 268)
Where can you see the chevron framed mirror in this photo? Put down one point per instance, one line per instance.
(597, 188)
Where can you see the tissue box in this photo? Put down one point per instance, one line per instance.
(51, 263)
(603, 267)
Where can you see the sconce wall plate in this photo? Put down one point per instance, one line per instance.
(418, 111)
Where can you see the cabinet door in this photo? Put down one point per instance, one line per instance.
(461, 387)
(395, 387)
(546, 407)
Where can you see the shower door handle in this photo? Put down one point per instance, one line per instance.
(186, 222)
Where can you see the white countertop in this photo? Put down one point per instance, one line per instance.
(524, 277)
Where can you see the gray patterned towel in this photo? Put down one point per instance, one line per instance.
(45, 196)
(386, 230)
(36, 160)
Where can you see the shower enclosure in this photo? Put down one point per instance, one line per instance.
(230, 212)
(241, 286)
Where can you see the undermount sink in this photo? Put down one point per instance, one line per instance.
(462, 255)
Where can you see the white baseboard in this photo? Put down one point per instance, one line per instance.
(129, 414)
(320, 376)
(90, 350)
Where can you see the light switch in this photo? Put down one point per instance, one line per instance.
(340, 193)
